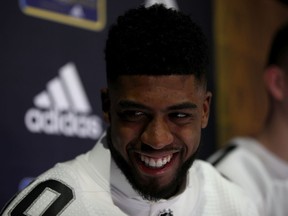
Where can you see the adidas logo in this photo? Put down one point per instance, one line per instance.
(63, 108)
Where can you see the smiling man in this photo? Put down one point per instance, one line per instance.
(156, 105)
(156, 124)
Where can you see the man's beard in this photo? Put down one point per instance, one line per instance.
(152, 191)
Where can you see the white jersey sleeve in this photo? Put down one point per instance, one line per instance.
(260, 173)
(61, 191)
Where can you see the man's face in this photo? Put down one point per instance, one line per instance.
(155, 127)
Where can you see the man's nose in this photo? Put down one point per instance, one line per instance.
(157, 134)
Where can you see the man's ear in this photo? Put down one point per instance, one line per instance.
(206, 109)
(274, 79)
(105, 104)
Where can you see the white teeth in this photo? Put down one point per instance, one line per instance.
(156, 163)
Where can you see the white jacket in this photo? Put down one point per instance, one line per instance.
(83, 187)
(260, 173)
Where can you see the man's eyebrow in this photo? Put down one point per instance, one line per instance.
(131, 104)
(185, 105)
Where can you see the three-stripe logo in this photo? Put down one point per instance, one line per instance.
(63, 108)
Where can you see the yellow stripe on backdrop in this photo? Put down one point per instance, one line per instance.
(243, 30)
(94, 25)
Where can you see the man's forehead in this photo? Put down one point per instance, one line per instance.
(144, 88)
(150, 80)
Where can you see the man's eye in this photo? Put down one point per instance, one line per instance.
(179, 115)
(180, 118)
(132, 115)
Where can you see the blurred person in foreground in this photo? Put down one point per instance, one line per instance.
(259, 163)
(156, 105)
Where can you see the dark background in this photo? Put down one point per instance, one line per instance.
(32, 50)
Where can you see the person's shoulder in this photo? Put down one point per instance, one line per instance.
(222, 195)
(243, 166)
(54, 187)
(66, 189)
(241, 156)
(238, 156)
(235, 149)
(210, 174)
(214, 181)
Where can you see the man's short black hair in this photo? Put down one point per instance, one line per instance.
(155, 41)
(278, 54)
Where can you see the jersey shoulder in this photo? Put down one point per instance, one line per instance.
(241, 163)
(223, 197)
(64, 190)
(238, 157)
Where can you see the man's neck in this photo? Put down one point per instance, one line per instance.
(274, 137)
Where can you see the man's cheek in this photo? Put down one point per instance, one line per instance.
(192, 144)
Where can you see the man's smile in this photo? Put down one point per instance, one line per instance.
(154, 164)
